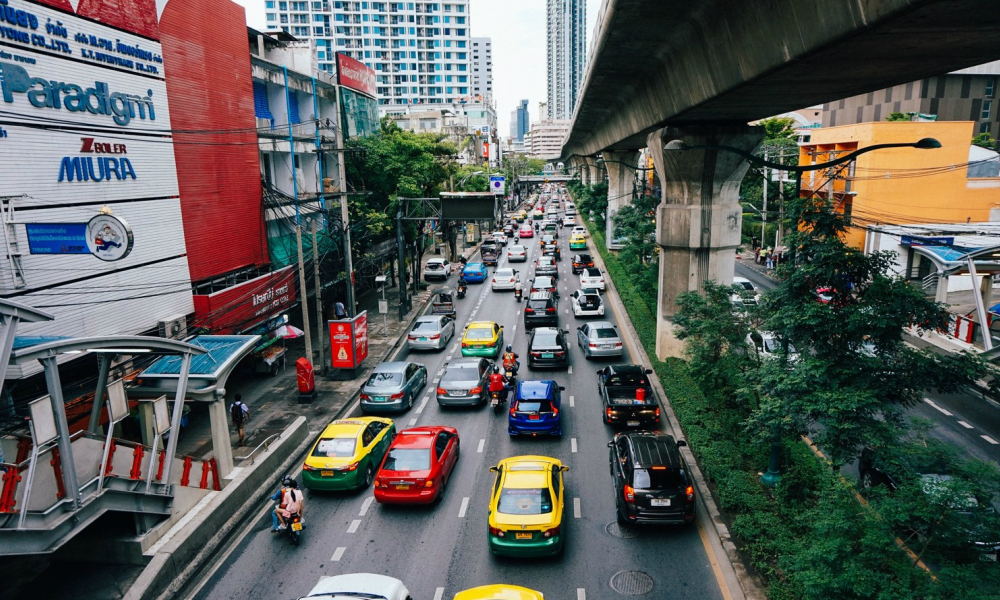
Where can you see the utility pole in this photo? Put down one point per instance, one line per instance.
(345, 218)
(305, 297)
(319, 301)
(401, 248)
(763, 212)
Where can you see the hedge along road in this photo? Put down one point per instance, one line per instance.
(439, 550)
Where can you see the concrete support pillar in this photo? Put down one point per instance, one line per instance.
(621, 168)
(698, 222)
(941, 290)
(596, 174)
(986, 290)
(222, 448)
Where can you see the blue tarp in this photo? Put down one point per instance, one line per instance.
(949, 254)
(220, 348)
(26, 342)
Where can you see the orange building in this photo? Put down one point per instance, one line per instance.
(902, 186)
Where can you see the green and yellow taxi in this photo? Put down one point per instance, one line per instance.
(482, 338)
(347, 454)
(521, 216)
(577, 242)
(538, 215)
(526, 509)
(500, 591)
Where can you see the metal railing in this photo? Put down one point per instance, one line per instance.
(267, 442)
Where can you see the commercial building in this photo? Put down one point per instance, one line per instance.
(957, 183)
(469, 125)
(482, 67)
(566, 37)
(520, 123)
(965, 95)
(421, 51)
(545, 139)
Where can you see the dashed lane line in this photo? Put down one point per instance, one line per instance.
(366, 505)
(572, 445)
(581, 594)
(423, 404)
(964, 424)
(938, 408)
(338, 554)
(570, 371)
(576, 508)
(439, 593)
(354, 526)
(413, 421)
(482, 444)
(990, 440)
(572, 402)
(464, 507)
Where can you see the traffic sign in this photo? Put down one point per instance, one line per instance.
(497, 184)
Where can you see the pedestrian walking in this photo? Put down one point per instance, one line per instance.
(770, 259)
(240, 414)
(339, 311)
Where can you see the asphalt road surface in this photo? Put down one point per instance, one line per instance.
(440, 550)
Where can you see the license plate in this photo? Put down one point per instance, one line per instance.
(296, 526)
(660, 502)
(548, 355)
(523, 536)
(457, 393)
(632, 423)
(326, 473)
(607, 346)
(402, 487)
(379, 399)
(423, 339)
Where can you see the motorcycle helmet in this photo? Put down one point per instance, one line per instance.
(509, 348)
(288, 481)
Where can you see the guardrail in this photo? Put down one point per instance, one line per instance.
(267, 442)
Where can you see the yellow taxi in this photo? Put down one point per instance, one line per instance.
(521, 216)
(499, 592)
(538, 215)
(526, 509)
(482, 338)
(348, 453)
(577, 242)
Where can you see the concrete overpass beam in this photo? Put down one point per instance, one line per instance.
(699, 220)
(621, 168)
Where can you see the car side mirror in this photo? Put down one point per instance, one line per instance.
(564, 468)
(494, 470)
(580, 328)
(681, 443)
(611, 444)
(599, 371)
(649, 371)
(562, 389)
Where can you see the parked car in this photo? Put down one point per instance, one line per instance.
(475, 272)
(465, 382)
(768, 345)
(542, 308)
(393, 386)
(504, 279)
(599, 339)
(543, 283)
(587, 305)
(417, 466)
(592, 278)
(431, 332)
(517, 253)
(547, 347)
(437, 268)
(581, 262)
(627, 396)
(651, 479)
(546, 265)
(535, 409)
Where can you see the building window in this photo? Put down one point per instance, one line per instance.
(991, 83)
(984, 128)
(987, 107)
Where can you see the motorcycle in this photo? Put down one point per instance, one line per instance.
(518, 294)
(294, 527)
(461, 292)
(496, 401)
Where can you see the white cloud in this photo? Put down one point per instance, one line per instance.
(519, 59)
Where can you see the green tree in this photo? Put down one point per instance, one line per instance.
(899, 116)
(635, 223)
(779, 145)
(985, 140)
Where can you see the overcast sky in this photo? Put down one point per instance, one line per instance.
(518, 31)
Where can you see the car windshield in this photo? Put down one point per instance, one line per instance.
(342, 447)
(746, 285)
(408, 459)
(605, 333)
(479, 333)
(425, 326)
(545, 338)
(525, 501)
(658, 478)
(773, 346)
(468, 372)
(385, 380)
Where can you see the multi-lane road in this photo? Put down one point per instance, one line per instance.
(440, 550)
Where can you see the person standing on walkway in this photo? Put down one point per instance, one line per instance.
(240, 413)
(339, 311)
(770, 258)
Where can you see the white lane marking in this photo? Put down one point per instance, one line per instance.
(989, 439)
(366, 505)
(518, 313)
(964, 424)
(413, 421)
(571, 369)
(437, 380)
(939, 409)
(354, 526)
(572, 445)
(576, 508)
(513, 329)
(314, 432)
(338, 553)
(581, 594)
(465, 507)
(420, 408)
(439, 593)
(482, 444)
(572, 401)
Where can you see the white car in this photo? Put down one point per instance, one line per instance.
(437, 268)
(500, 238)
(362, 585)
(746, 289)
(517, 253)
(587, 305)
(569, 221)
(768, 345)
(504, 279)
(592, 278)
(578, 230)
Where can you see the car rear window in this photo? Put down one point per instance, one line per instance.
(606, 333)
(461, 373)
(538, 304)
(592, 272)
(544, 338)
(435, 266)
(479, 334)
(335, 447)
(591, 300)
(385, 379)
(658, 478)
(408, 459)
(525, 501)
(628, 379)
(425, 326)
(534, 406)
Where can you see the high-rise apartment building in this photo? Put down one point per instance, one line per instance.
(421, 51)
(520, 121)
(567, 55)
(482, 67)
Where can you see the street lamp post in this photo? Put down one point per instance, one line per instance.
(773, 474)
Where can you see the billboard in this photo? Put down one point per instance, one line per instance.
(355, 75)
(238, 308)
(468, 206)
(349, 341)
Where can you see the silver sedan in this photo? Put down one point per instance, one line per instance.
(465, 382)
(431, 332)
(599, 338)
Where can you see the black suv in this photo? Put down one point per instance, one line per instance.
(542, 309)
(651, 480)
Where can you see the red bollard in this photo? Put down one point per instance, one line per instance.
(186, 473)
(23, 450)
(9, 491)
(137, 454)
(57, 468)
(215, 474)
(159, 470)
(111, 454)
(204, 474)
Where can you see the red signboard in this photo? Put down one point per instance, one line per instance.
(240, 307)
(355, 75)
(349, 341)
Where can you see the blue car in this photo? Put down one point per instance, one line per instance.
(535, 409)
(475, 272)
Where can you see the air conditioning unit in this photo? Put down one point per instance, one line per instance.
(174, 327)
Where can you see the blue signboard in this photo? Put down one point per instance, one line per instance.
(913, 240)
(57, 238)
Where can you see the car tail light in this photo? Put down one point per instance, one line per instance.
(494, 280)
(436, 336)
(629, 494)
(398, 396)
(513, 411)
(365, 397)
(465, 344)
(550, 310)
(350, 467)
(536, 354)
(412, 338)
(560, 353)
(690, 493)
(657, 412)
(476, 390)
(441, 391)
(618, 344)
(496, 531)
(609, 412)
(591, 345)
(306, 467)
(555, 411)
(550, 532)
(429, 483)
(529, 311)
(380, 484)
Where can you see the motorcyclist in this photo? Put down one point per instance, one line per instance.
(510, 362)
(291, 503)
(498, 383)
(518, 291)
(278, 496)
(462, 285)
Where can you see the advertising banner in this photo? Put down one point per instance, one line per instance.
(355, 75)
(239, 308)
(57, 238)
(349, 341)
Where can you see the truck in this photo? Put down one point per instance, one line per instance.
(627, 396)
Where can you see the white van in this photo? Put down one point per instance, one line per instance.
(570, 208)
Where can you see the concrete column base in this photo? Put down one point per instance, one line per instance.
(221, 449)
(621, 168)
(667, 344)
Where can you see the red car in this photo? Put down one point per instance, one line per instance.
(417, 466)
(526, 232)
